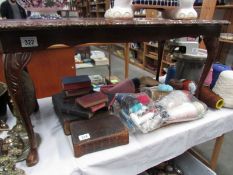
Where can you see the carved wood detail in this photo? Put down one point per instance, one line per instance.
(14, 70)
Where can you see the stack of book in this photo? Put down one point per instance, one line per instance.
(76, 85)
(73, 103)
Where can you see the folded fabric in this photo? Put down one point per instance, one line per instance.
(126, 86)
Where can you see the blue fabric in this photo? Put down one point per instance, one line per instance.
(171, 74)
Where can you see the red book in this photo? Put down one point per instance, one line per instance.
(93, 99)
(97, 107)
(78, 92)
(76, 86)
(76, 82)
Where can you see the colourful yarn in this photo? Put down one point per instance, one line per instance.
(143, 98)
(217, 69)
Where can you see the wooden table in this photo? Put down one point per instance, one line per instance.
(20, 37)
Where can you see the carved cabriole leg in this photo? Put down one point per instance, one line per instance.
(14, 64)
(212, 50)
(160, 57)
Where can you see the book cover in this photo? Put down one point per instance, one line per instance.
(97, 107)
(97, 134)
(64, 118)
(92, 99)
(71, 107)
(75, 82)
(76, 86)
(75, 79)
(78, 92)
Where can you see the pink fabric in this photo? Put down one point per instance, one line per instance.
(208, 79)
(126, 86)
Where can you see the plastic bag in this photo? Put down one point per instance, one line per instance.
(140, 112)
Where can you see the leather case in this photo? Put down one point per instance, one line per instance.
(97, 134)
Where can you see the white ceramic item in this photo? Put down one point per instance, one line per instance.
(123, 9)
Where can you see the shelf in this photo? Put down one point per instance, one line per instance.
(227, 6)
(151, 71)
(151, 56)
(151, 45)
(119, 45)
(137, 64)
(137, 50)
(226, 41)
(168, 62)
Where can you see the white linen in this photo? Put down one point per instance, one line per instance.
(142, 152)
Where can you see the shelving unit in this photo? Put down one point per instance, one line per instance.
(85, 51)
(92, 8)
(150, 57)
(208, 11)
(97, 8)
(83, 8)
(226, 41)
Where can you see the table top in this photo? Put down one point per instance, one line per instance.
(99, 22)
(74, 31)
(142, 152)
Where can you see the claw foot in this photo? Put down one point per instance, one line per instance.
(32, 158)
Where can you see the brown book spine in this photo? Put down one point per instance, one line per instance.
(101, 143)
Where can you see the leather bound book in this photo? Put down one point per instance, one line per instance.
(78, 92)
(97, 107)
(72, 108)
(76, 86)
(97, 134)
(93, 99)
(68, 112)
(66, 119)
(76, 82)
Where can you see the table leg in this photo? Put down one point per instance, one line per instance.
(160, 57)
(216, 151)
(22, 95)
(126, 60)
(212, 50)
(214, 156)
